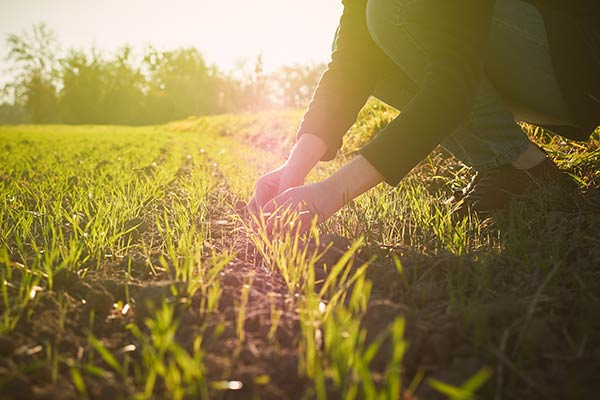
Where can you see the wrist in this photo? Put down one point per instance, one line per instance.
(291, 175)
(353, 179)
(329, 198)
(307, 151)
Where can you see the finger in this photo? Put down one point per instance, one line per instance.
(264, 192)
(275, 216)
(252, 206)
(287, 220)
(255, 223)
(280, 205)
(261, 198)
(270, 207)
(258, 218)
(294, 224)
(269, 228)
(303, 222)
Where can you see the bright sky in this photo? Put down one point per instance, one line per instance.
(225, 31)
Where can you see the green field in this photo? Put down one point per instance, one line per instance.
(129, 269)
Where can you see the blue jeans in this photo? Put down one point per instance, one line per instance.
(519, 81)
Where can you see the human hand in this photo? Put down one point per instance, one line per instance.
(319, 200)
(295, 208)
(303, 157)
(272, 184)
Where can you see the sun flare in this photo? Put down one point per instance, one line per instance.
(285, 32)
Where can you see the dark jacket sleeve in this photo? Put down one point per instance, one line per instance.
(347, 82)
(459, 31)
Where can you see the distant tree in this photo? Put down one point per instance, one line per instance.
(180, 84)
(125, 97)
(246, 87)
(12, 114)
(84, 88)
(293, 86)
(96, 90)
(231, 93)
(251, 89)
(34, 55)
(259, 88)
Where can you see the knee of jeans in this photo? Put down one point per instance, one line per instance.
(379, 20)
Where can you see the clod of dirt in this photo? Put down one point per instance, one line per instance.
(499, 311)
(73, 181)
(109, 392)
(339, 245)
(137, 264)
(537, 336)
(441, 346)
(240, 206)
(19, 388)
(427, 293)
(379, 316)
(152, 296)
(64, 280)
(99, 300)
(232, 279)
(7, 346)
(134, 228)
(118, 289)
(287, 367)
(148, 170)
(457, 374)
(102, 164)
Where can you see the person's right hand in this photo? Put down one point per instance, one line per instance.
(271, 185)
(306, 153)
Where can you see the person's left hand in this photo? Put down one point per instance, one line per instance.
(317, 199)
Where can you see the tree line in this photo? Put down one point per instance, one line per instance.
(90, 87)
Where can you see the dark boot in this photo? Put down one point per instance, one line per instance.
(494, 189)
